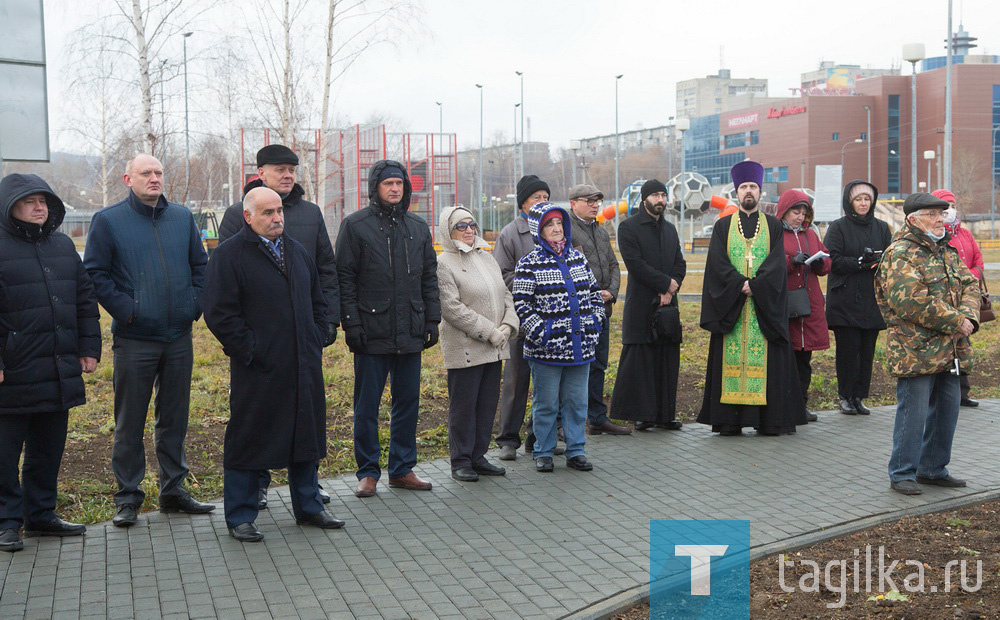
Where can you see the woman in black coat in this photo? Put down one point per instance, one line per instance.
(855, 242)
(50, 335)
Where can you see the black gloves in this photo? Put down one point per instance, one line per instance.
(355, 337)
(430, 335)
(869, 258)
(331, 334)
(799, 259)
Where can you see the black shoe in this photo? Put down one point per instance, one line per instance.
(321, 520)
(324, 496)
(489, 469)
(643, 426)
(10, 541)
(579, 463)
(906, 487)
(261, 499)
(544, 464)
(246, 532)
(860, 407)
(126, 516)
(465, 474)
(810, 416)
(948, 481)
(968, 402)
(673, 425)
(184, 503)
(847, 407)
(55, 527)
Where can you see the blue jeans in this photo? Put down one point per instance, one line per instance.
(926, 417)
(559, 391)
(370, 373)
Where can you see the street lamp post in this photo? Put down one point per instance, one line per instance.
(440, 105)
(521, 75)
(516, 106)
(929, 157)
(868, 140)
(683, 124)
(913, 53)
(670, 148)
(842, 149)
(479, 193)
(187, 132)
(617, 151)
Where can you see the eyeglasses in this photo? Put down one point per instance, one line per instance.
(590, 201)
(463, 226)
(936, 214)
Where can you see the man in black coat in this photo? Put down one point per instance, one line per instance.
(646, 385)
(390, 310)
(264, 303)
(51, 334)
(276, 165)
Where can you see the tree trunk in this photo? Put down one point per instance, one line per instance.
(149, 137)
(325, 114)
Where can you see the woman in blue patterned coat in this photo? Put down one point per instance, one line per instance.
(561, 311)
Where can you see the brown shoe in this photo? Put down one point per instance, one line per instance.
(610, 428)
(410, 482)
(366, 487)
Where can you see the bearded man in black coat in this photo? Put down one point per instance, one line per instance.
(264, 303)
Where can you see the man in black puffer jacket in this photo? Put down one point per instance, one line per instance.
(390, 310)
(50, 335)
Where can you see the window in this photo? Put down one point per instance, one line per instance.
(864, 136)
(718, 100)
(996, 134)
(776, 175)
(754, 137)
(893, 144)
(836, 136)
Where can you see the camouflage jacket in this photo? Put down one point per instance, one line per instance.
(924, 292)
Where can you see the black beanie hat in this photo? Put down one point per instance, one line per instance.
(652, 186)
(391, 172)
(920, 200)
(528, 185)
(276, 154)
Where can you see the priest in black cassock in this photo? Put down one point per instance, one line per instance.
(751, 377)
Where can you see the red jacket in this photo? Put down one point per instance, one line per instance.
(809, 333)
(963, 241)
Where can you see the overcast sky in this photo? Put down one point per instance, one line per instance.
(570, 52)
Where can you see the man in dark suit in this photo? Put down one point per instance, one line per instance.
(264, 303)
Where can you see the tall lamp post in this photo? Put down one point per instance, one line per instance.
(516, 106)
(868, 140)
(187, 132)
(683, 124)
(929, 157)
(440, 105)
(479, 193)
(913, 53)
(618, 192)
(947, 103)
(520, 74)
(670, 148)
(842, 149)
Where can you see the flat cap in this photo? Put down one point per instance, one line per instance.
(921, 200)
(585, 191)
(276, 154)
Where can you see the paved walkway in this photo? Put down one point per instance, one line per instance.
(528, 545)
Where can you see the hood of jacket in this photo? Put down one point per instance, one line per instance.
(449, 217)
(794, 198)
(535, 215)
(867, 218)
(373, 174)
(14, 187)
(293, 196)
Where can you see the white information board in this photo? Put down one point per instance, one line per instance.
(828, 204)
(24, 114)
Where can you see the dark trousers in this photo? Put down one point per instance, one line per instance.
(473, 394)
(855, 353)
(140, 367)
(43, 437)
(240, 492)
(965, 387)
(803, 362)
(597, 411)
(370, 373)
(514, 396)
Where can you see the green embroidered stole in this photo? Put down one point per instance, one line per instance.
(744, 349)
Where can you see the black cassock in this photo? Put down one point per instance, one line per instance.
(271, 324)
(646, 384)
(721, 304)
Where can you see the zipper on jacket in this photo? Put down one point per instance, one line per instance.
(166, 273)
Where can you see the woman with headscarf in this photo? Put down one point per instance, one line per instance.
(808, 332)
(963, 241)
(562, 313)
(855, 242)
(478, 320)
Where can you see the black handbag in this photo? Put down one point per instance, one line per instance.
(666, 323)
(798, 300)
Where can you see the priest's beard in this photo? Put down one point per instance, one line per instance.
(654, 208)
(749, 203)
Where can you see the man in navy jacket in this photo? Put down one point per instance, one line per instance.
(146, 260)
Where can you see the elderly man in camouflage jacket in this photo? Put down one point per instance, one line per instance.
(930, 302)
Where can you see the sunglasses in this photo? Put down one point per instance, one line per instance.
(463, 226)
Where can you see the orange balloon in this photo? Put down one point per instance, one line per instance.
(609, 212)
(623, 206)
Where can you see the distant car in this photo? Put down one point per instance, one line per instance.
(706, 231)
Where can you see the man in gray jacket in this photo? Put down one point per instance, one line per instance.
(513, 242)
(593, 240)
